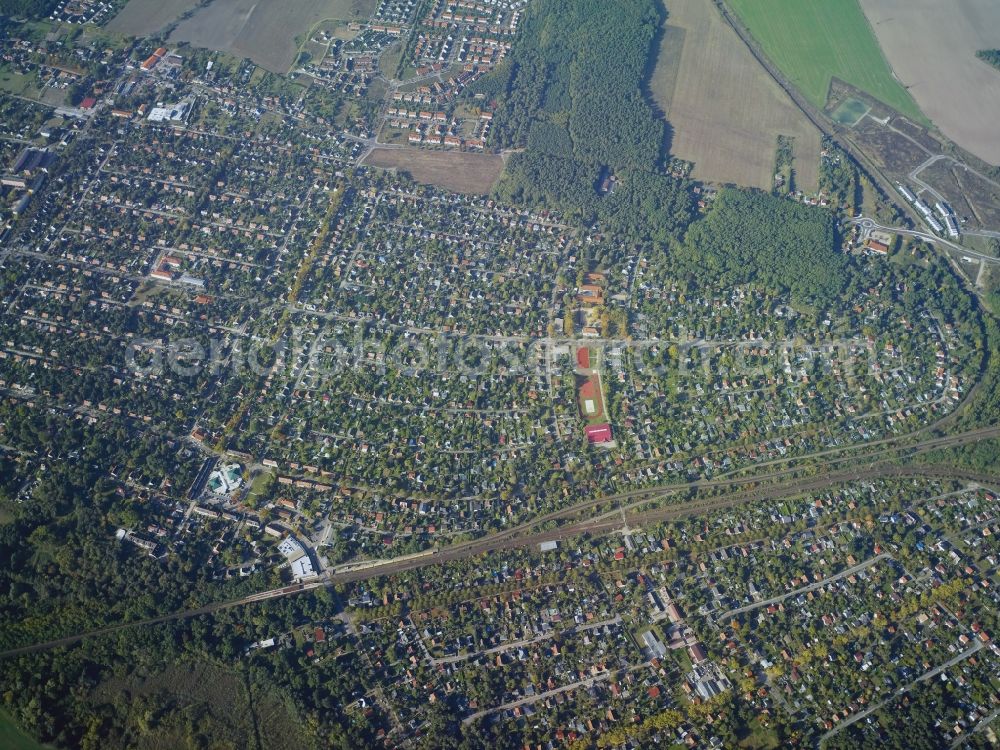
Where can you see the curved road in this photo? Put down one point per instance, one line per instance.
(868, 225)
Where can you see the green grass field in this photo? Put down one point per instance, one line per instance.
(813, 40)
(849, 112)
(12, 738)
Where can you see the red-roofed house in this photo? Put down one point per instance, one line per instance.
(598, 433)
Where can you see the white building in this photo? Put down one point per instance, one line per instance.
(291, 548)
(298, 558)
(303, 568)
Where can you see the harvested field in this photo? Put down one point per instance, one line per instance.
(452, 170)
(268, 33)
(146, 17)
(725, 110)
(932, 47)
(812, 41)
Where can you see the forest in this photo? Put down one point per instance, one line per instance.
(27, 8)
(751, 237)
(574, 104)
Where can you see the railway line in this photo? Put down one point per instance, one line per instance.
(727, 493)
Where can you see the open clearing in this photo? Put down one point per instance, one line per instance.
(932, 47)
(146, 17)
(725, 109)
(452, 170)
(12, 738)
(266, 31)
(812, 41)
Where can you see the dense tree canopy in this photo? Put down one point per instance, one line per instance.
(755, 237)
(573, 103)
(27, 8)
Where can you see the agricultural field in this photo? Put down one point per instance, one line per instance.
(725, 109)
(451, 170)
(932, 47)
(144, 17)
(267, 33)
(813, 41)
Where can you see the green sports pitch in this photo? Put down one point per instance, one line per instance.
(812, 41)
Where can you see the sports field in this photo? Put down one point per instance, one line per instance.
(812, 41)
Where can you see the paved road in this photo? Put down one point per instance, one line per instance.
(535, 698)
(518, 644)
(900, 690)
(980, 726)
(914, 175)
(868, 225)
(805, 589)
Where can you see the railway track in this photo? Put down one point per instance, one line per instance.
(728, 493)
